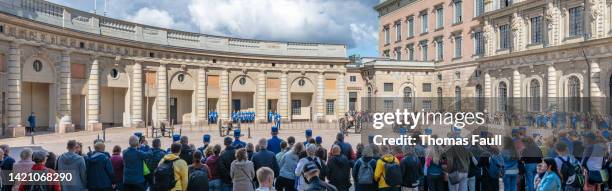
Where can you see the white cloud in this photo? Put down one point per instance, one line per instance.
(147, 16)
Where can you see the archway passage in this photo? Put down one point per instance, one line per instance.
(36, 98)
(301, 106)
(180, 106)
(112, 107)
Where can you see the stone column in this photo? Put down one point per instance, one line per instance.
(551, 79)
(516, 91)
(597, 100)
(162, 93)
(202, 97)
(553, 17)
(487, 92)
(597, 9)
(284, 97)
(137, 95)
(93, 96)
(320, 96)
(341, 90)
(261, 113)
(65, 124)
(224, 95)
(15, 123)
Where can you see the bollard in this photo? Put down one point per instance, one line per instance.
(32, 136)
(104, 134)
(249, 132)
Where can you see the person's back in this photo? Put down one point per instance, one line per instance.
(225, 161)
(242, 172)
(410, 171)
(338, 172)
(117, 162)
(198, 178)
(133, 163)
(74, 163)
(265, 158)
(380, 170)
(179, 167)
(100, 172)
(157, 155)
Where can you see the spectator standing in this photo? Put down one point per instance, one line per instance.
(286, 178)
(338, 169)
(74, 163)
(179, 167)
(346, 148)
(274, 143)
(214, 182)
(100, 174)
(411, 169)
(224, 164)
(24, 165)
(133, 163)
(152, 162)
(265, 179)
(264, 157)
(531, 157)
(310, 158)
(198, 174)
(186, 151)
(551, 180)
(51, 161)
(242, 172)
(39, 158)
(510, 157)
(381, 169)
(6, 164)
(117, 162)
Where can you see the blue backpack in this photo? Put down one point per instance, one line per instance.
(496, 167)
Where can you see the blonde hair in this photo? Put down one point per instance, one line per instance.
(241, 154)
(264, 173)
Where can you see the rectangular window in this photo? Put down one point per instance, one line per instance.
(457, 75)
(439, 50)
(479, 7)
(458, 12)
(536, 30)
(386, 53)
(398, 54)
(398, 31)
(439, 18)
(353, 78)
(410, 27)
(427, 105)
(440, 77)
(458, 47)
(410, 52)
(504, 36)
(388, 104)
(426, 87)
(424, 23)
(479, 43)
(575, 21)
(424, 51)
(329, 109)
(386, 32)
(504, 3)
(296, 107)
(388, 87)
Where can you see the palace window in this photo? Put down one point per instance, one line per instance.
(575, 21)
(408, 98)
(411, 52)
(504, 36)
(410, 26)
(388, 87)
(536, 30)
(457, 98)
(479, 43)
(424, 23)
(574, 93)
(388, 105)
(426, 87)
(424, 51)
(479, 7)
(440, 106)
(329, 109)
(427, 105)
(502, 90)
(479, 98)
(398, 31)
(353, 78)
(398, 53)
(534, 91)
(439, 50)
(296, 107)
(439, 17)
(458, 11)
(386, 33)
(458, 47)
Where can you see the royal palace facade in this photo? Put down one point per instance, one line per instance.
(81, 71)
(542, 54)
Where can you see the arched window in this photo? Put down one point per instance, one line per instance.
(502, 95)
(479, 98)
(369, 98)
(440, 106)
(534, 95)
(408, 98)
(574, 93)
(457, 98)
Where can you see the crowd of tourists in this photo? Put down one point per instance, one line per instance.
(566, 161)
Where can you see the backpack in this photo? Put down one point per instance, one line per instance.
(411, 177)
(572, 173)
(365, 173)
(198, 179)
(321, 167)
(393, 174)
(163, 179)
(496, 169)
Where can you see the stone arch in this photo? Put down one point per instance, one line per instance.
(501, 101)
(572, 103)
(47, 74)
(188, 82)
(307, 87)
(249, 85)
(531, 102)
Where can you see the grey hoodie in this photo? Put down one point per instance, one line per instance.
(242, 173)
(75, 164)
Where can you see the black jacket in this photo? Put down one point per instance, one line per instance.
(265, 158)
(411, 171)
(225, 162)
(339, 172)
(316, 184)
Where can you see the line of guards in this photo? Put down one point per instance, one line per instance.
(247, 117)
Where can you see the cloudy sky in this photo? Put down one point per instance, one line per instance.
(350, 22)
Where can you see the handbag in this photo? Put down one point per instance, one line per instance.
(454, 177)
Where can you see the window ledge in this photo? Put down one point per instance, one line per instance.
(398, 41)
(458, 23)
(457, 58)
(439, 29)
(424, 33)
(410, 37)
(387, 44)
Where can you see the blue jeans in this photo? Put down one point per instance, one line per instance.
(214, 185)
(510, 182)
(530, 172)
(227, 187)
